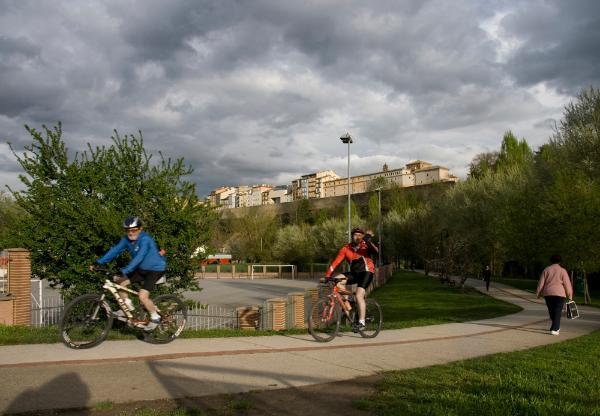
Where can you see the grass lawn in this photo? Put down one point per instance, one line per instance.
(409, 299)
(530, 285)
(413, 299)
(560, 379)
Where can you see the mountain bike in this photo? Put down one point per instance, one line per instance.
(87, 319)
(326, 315)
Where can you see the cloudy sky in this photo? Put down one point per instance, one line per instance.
(260, 91)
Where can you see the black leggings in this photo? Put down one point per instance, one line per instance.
(555, 306)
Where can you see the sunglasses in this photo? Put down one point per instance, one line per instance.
(132, 230)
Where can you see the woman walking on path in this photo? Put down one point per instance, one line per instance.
(555, 286)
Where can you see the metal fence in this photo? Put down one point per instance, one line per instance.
(46, 312)
(212, 317)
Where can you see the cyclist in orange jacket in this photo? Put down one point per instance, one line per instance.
(359, 254)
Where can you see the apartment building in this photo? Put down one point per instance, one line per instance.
(257, 194)
(278, 195)
(312, 185)
(415, 173)
(219, 195)
(324, 184)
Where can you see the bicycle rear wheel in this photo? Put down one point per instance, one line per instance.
(324, 320)
(173, 316)
(85, 322)
(373, 319)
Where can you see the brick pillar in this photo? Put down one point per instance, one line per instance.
(297, 301)
(277, 306)
(6, 310)
(19, 284)
(248, 318)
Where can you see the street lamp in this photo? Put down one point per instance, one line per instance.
(347, 139)
(379, 225)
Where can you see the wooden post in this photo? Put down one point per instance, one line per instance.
(218, 271)
(264, 270)
(279, 271)
(203, 271)
(312, 270)
(233, 271)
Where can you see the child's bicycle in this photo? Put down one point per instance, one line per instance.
(326, 315)
(87, 319)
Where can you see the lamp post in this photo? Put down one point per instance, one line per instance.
(347, 139)
(379, 226)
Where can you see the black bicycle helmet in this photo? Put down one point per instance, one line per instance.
(357, 230)
(132, 222)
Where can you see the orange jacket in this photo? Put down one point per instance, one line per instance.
(359, 257)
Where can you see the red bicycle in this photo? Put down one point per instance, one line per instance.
(325, 318)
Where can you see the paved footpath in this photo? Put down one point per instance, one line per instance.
(51, 376)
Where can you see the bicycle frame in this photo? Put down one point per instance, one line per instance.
(336, 296)
(114, 289)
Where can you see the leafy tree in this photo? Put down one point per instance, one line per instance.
(253, 236)
(76, 203)
(330, 236)
(577, 139)
(482, 164)
(10, 215)
(295, 244)
(304, 214)
(513, 152)
(373, 210)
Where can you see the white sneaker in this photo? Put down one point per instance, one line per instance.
(152, 324)
(555, 332)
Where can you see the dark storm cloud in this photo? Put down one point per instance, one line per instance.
(560, 44)
(260, 91)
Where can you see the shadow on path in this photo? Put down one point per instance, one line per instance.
(72, 393)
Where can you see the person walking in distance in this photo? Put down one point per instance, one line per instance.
(555, 286)
(487, 276)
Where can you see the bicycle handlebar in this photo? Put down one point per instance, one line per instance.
(330, 280)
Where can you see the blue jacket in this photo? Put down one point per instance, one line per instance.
(144, 254)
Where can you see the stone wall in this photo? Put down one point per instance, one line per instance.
(290, 209)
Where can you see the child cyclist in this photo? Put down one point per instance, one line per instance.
(147, 266)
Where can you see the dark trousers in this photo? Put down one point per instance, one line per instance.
(487, 284)
(555, 306)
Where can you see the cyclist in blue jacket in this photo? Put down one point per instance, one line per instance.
(147, 265)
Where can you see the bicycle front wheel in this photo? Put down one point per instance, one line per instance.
(173, 316)
(373, 319)
(324, 320)
(85, 322)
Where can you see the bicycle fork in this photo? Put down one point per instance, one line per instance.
(97, 307)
